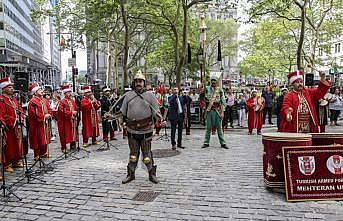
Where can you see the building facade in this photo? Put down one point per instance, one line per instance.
(26, 46)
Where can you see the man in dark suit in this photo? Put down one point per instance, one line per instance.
(176, 117)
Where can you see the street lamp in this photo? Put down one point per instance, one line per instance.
(269, 74)
(200, 60)
(201, 52)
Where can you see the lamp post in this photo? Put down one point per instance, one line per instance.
(201, 54)
(201, 61)
(73, 53)
(269, 74)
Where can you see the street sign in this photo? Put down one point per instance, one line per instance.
(71, 62)
(313, 172)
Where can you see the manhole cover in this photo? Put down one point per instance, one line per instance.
(160, 153)
(148, 196)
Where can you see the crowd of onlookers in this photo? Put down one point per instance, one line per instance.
(235, 114)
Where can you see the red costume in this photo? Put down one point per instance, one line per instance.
(90, 121)
(39, 127)
(307, 97)
(14, 150)
(255, 118)
(67, 121)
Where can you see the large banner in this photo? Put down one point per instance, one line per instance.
(313, 172)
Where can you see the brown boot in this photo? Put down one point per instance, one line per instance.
(18, 165)
(152, 175)
(9, 169)
(130, 176)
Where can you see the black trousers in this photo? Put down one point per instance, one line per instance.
(267, 110)
(140, 143)
(228, 116)
(179, 125)
(334, 115)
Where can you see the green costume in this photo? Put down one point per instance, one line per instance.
(215, 104)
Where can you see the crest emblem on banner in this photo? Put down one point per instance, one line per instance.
(335, 164)
(307, 165)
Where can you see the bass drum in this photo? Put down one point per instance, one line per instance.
(319, 139)
(273, 172)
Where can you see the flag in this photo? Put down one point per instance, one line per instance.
(219, 57)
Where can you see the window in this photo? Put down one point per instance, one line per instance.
(338, 48)
(320, 52)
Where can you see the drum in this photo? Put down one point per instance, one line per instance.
(319, 139)
(259, 104)
(272, 156)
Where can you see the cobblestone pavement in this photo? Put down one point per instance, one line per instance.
(198, 184)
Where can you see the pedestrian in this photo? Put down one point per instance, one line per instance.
(194, 96)
(39, 122)
(228, 114)
(322, 113)
(67, 120)
(140, 112)
(268, 97)
(107, 118)
(335, 107)
(255, 106)
(53, 105)
(188, 101)
(298, 114)
(279, 102)
(10, 111)
(241, 109)
(176, 114)
(90, 120)
(214, 111)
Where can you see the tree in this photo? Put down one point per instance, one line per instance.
(313, 17)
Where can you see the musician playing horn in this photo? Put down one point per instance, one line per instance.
(90, 121)
(40, 114)
(215, 106)
(298, 114)
(255, 106)
(67, 120)
(9, 106)
(107, 118)
(140, 112)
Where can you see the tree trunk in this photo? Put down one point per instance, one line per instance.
(184, 45)
(301, 38)
(116, 83)
(126, 43)
(109, 64)
(176, 49)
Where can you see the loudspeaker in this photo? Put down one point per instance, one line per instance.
(21, 81)
(309, 79)
(96, 91)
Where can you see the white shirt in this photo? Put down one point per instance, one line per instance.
(179, 104)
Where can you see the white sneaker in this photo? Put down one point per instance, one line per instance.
(53, 138)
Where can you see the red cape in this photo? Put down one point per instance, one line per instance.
(90, 117)
(38, 132)
(14, 145)
(255, 119)
(66, 121)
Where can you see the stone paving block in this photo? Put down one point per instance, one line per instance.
(72, 216)
(36, 212)
(314, 216)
